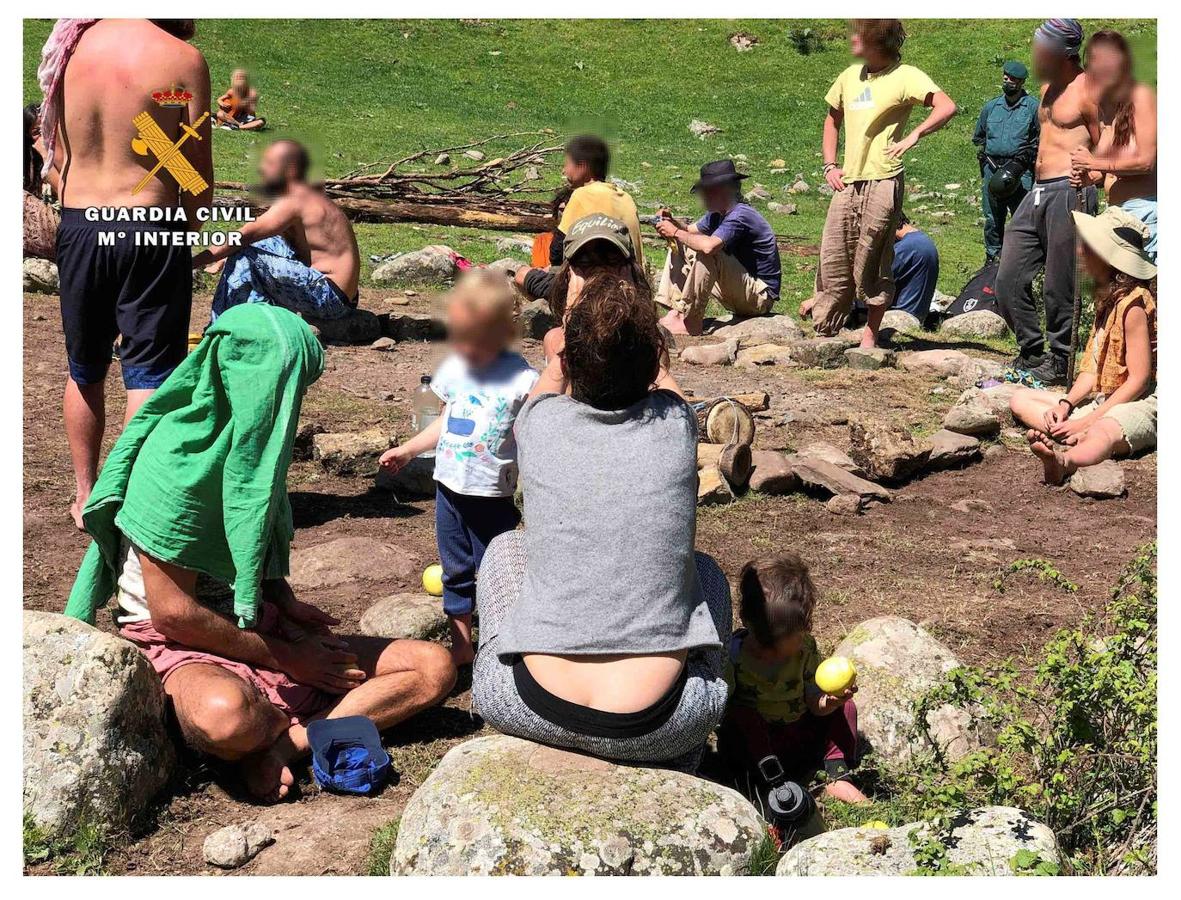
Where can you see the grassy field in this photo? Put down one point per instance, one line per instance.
(359, 91)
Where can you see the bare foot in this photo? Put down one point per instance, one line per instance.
(806, 307)
(267, 776)
(675, 322)
(846, 792)
(1055, 466)
(869, 339)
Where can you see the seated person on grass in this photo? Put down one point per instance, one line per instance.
(592, 638)
(537, 278)
(778, 722)
(300, 254)
(729, 255)
(237, 108)
(585, 170)
(197, 485)
(1111, 409)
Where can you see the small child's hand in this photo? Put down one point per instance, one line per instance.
(394, 459)
(831, 702)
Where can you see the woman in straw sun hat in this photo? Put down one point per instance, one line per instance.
(1111, 409)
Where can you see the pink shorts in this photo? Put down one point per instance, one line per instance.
(299, 702)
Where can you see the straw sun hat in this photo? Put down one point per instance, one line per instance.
(1118, 238)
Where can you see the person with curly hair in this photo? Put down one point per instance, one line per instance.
(599, 632)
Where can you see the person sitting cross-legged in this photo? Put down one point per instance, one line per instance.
(300, 254)
(1111, 409)
(729, 254)
(237, 108)
(197, 485)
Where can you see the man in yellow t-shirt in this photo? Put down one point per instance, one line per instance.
(872, 99)
(585, 170)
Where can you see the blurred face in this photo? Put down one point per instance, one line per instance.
(239, 82)
(784, 648)
(477, 336)
(1108, 68)
(1093, 264)
(599, 256)
(272, 170)
(577, 173)
(1047, 62)
(856, 45)
(718, 198)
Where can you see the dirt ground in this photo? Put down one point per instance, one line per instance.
(933, 555)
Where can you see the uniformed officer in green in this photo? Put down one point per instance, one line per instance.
(1007, 136)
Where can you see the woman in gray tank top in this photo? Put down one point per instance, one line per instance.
(601, 629)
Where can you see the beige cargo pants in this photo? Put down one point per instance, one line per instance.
(857, 251)
(690, 279)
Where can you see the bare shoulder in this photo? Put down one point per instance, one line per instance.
(1144, 96)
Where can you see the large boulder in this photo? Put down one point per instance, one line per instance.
(719, 354)
(887, 452)
(975, 413)
(1103, 481)
(350, 453)
(821, 475)
(978, 323)
(358, 326)
(937, 363)
(900, 320)
(869, 358)
(39, 276)
(984, 841)
(415, 479)
(500, 805)
(773, 473)
(418, 616)
(898, 663)
(761, 330)
(95, 748)
(950, 450)
(537, 319)
(429, 265)
(351, 559)
(833, 454)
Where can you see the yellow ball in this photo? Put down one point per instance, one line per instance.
(877, 824)
(835, 674)
(432, 580)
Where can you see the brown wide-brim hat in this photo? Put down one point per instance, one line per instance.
(1118, 238)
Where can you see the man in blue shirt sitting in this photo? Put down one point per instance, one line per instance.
(915, 270)
(729, 254)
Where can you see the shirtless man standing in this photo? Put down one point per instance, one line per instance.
(1041, 232)
(300, 254)
(99, 75)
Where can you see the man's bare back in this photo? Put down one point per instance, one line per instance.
(323, 237)
(1068, 118)
(108, 82)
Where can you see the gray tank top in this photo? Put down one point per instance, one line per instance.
(610, 521)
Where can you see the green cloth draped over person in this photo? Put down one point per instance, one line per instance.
(199, 476)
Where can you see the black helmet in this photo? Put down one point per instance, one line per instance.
(1005, 180)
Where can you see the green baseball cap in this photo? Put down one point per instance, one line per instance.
(597, 227)
(1015, 69)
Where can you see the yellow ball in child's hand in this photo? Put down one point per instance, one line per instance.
(835, 675)
(432, 580)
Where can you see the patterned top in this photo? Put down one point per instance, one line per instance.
(778, 693)
(1106, 353)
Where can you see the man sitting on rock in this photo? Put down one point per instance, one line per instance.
(197, 486)
(729, 254)
(300, 254)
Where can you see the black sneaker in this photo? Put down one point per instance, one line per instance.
(1023, 363)
(1052, 372)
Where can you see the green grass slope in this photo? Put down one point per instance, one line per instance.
(359, 91)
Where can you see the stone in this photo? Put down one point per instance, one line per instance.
(414, 327)
(978, 323)
(817, 353)
(900, 320)
(503, 805)
(832, 454)
(429, 265)
(39, 276)
(506, 264)
(415, 479)
(235, 845)
(474, 155)
(887, 451)
(898, 663)
(509, 245)
(937, 363)
(384, 343)
(721, 354)
(537, 319)
(972, 414)
(949, 449)
(348, 559)
(752, 332)
(758, 192)
(982, 841)
(301, 447)
(869, 358)
(443, 159)
(784, 209)
(763, 355)
(772, 473)
(1104, 481)
(799, 187)
(96, 750)
(998, 397)
(351, 453)
(824, 476)
(778, 164)
(701, 130)
(413, 616)
(357, 326)
(712, 487)
(825, 190)
(845, 505)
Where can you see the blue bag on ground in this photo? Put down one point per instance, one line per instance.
(347, 755)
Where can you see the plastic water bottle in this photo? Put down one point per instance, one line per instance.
(424, 408)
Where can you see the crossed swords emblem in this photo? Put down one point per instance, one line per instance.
(153, 140)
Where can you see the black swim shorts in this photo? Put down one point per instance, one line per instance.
(142, 292)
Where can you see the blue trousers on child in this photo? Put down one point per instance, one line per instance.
(464, 526)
